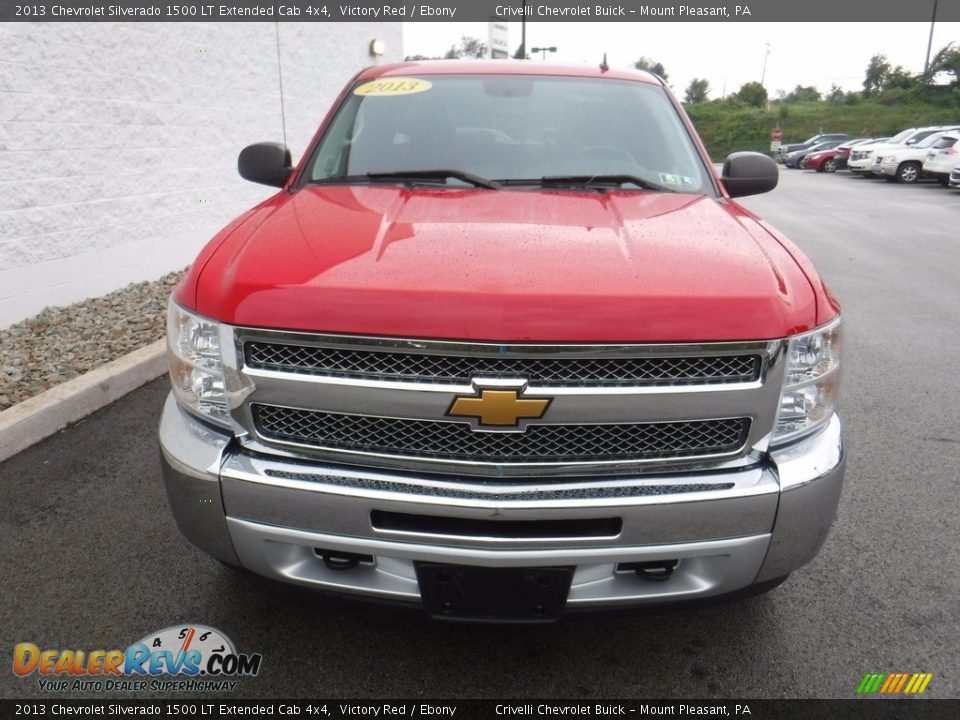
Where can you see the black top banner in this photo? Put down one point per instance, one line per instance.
(478, 11)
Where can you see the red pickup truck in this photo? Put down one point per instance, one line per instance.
(503, 346)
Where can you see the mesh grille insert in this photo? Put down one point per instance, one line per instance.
(417, 367)
(539, 443)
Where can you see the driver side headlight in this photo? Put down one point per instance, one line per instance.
(809, 396)
(196, 368)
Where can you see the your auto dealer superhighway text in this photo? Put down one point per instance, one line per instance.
(616, 709)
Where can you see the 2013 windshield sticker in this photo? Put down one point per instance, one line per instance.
(671, 180)
(388, 87)
(203, 655)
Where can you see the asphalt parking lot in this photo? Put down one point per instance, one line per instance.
(91, 557)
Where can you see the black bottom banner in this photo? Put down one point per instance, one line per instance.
(872, 709)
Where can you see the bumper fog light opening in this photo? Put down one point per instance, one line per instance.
(651, 570)
(336, 560)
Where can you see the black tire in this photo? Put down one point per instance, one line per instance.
(829, 166)
(908, 172)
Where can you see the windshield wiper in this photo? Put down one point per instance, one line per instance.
(599, 183)
(617, 180)
(409, 176)
(436, 176)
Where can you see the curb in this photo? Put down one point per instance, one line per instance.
(39, 417)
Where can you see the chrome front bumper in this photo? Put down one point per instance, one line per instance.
(728, 529)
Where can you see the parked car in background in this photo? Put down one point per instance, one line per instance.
(825, 160)
(844, 151)
(862, 161)
(905, 164)
(785, 150)
(954, 180)
(942, 157)
(793, 160)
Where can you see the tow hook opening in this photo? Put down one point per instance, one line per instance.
(651, 570)
(337, 560)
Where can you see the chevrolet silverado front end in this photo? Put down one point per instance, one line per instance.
(505, 367)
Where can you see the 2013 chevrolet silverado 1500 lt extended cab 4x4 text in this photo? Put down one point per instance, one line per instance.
(503, 346)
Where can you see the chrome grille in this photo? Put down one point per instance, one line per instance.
(453, 369)
(539, 443)
(583, 492)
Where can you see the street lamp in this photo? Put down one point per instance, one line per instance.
(544, 50)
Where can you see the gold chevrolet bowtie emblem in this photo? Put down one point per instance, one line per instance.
(503, 408)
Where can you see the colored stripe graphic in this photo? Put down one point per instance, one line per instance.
(888, 683)
(894, 683)
(913, 683)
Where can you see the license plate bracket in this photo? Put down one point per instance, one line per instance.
(519, 594)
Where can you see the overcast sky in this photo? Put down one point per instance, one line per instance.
(726, 54)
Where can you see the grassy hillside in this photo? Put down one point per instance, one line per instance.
(726, 127)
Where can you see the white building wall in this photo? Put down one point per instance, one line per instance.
(118, 142)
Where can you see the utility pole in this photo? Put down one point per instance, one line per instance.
(522, 50)
(933, 21)
(763, 73)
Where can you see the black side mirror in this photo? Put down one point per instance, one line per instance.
(749, 173)
(266, 163)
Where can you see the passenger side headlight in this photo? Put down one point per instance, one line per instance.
(196, 368)
(809, 396)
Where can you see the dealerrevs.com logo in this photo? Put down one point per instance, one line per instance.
(203, 655)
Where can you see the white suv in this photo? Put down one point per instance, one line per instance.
(862, 161)
(942, 158)
(906, 164)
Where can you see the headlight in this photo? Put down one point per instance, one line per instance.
(809, 396)
(196, 369)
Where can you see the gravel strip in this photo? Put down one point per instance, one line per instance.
(63, 342)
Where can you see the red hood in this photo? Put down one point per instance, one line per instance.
(509, 265)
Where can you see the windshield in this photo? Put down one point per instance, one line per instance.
(918, 136)
(509, 128)
(900, 137)
(927, 142)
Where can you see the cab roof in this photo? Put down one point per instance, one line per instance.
(502, 67)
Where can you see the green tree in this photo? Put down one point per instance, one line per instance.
(876, 76)
(697, 91)
(836, 94)
(648, 64)
(469, 47)
(753, 94)
(899, 78)
(803, 94)
(947, 61)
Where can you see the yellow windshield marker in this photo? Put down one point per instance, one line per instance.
(386, 87)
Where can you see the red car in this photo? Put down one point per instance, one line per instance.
(823, 161)
(503, 345)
